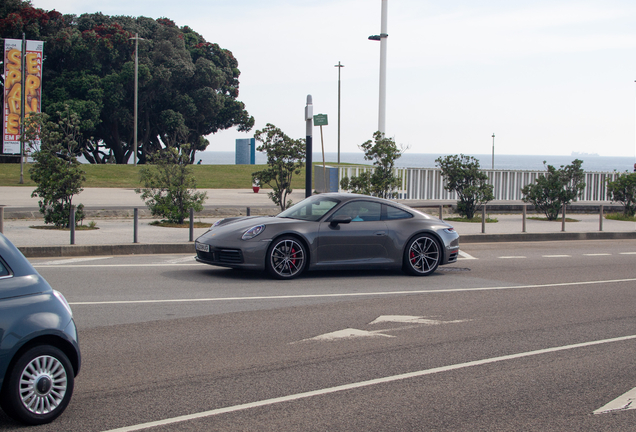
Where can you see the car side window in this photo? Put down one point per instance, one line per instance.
(4, 271)
(393, 213)
(360, 211)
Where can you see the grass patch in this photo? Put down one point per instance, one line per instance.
(167, 224)
(476, 219)
(620, 217)
(127, 176)
(567, 219)
(53, 227)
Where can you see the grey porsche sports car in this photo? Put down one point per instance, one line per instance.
(332, 231)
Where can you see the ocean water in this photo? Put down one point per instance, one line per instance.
(426, 160)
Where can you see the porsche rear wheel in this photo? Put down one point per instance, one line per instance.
(422, 255)
(286, 258)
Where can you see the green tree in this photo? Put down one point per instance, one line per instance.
(462, 174)
(169, 185)
(382, 182)
(188, 87)
(623, 190)
(285, 157)
(556, 188)
(56, 171)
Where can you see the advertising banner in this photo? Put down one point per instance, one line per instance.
(11, 112)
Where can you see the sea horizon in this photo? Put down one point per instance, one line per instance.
(591, 162)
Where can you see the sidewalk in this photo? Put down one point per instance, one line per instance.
(111, 210)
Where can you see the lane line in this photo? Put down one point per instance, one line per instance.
(627, 253)
(597, 254)
(119, 265)
(556, 256)
(511, 257)
(69, 261)
(362, 384)
(362, 294)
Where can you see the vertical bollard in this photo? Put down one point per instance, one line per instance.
(191, 224)
(523, 219)
(563, 220)
(1, 219)
(483, 219)
(441, 212)
(248, 212)
(135, 225)
(600, 218)
(72, 224)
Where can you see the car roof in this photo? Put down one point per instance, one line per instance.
(18, 264)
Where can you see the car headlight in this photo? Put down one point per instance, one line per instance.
(215, 224)
(253, 232)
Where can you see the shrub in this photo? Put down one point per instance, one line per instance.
(169, 184)
(462, 175)
(555, 189)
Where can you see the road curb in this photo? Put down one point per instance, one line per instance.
(188, 247)
(96, 250)
(560, 236)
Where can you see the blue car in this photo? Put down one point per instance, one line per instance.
(39, 351)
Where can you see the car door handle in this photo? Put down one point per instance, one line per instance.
(380, 233)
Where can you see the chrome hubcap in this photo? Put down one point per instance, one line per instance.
(43, 385)
(287, 258)
(424, 255)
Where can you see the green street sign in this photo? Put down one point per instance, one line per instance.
(320, 120)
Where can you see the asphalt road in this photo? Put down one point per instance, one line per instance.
(515, 336)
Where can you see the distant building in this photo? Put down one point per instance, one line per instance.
(245, 151)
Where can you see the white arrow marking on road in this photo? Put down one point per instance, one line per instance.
(345, 334)
(464, 255)
(621, 403)
(411, 320)
(352, 333)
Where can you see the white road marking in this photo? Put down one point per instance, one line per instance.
(621, 403)
(464, 255)
(181, 260)
(362, 384)
(360, 294)
(627, 253)
(120, 265)
(512, 257)
(556, 256)
(410, 320)
(70, 261)
(347, 333)
(598, 254)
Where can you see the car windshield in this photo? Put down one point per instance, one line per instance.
(310, 209)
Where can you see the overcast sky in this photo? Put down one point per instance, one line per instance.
(546, 77)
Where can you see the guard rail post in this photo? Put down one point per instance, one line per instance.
(523, 218)
(563, 220)
(191, 224)
(135, 225)
(600, 218)
(71, 223)
(1, 219)
(483, 219)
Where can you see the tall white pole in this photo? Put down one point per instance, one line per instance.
(136, 90)
(383, 41)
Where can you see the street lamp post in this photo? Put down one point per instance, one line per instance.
(136, 38)
(382, 37)
(339, 66)
(493, 150)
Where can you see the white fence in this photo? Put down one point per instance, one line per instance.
(428, 183)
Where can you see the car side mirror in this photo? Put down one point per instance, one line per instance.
(340, 220)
